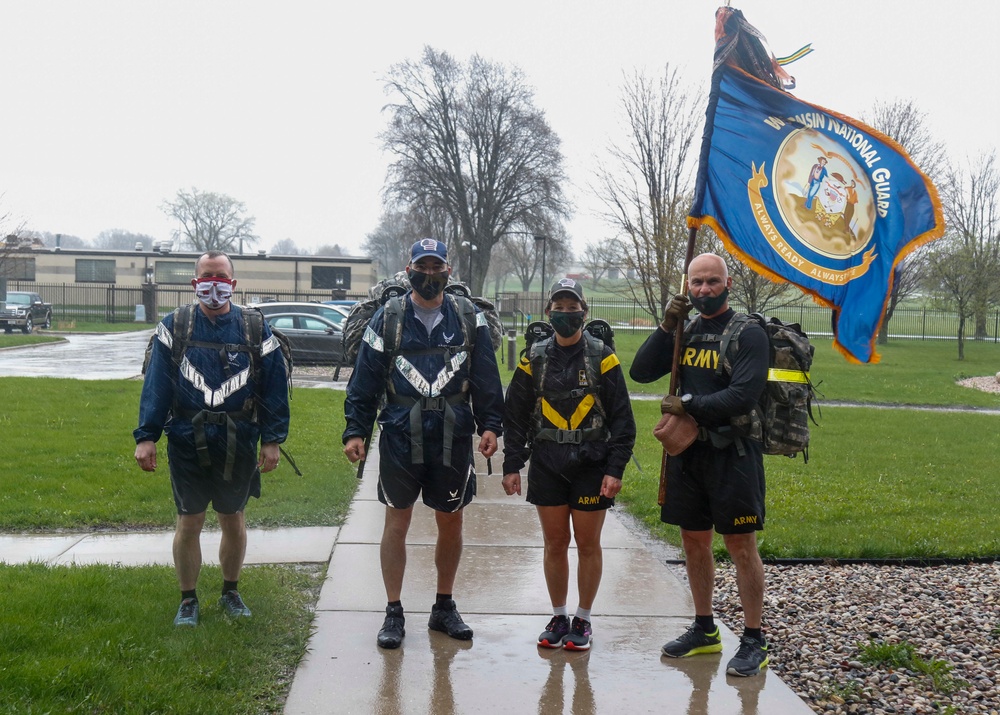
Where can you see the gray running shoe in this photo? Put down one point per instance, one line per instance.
(555, 633)
(232, 604)
(187, 613)
(750, 658)
(694, 642)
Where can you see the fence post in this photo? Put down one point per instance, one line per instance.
(923, 325)
(511, 349)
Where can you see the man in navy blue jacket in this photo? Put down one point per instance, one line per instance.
(215, 408)
(438, 393)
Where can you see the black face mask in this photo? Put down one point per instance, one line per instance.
(566, 324)
(709, 305)
(428, 285)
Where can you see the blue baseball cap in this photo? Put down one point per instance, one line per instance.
(428, 247)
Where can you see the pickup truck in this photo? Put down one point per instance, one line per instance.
(24, 310)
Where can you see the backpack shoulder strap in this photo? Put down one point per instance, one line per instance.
(392, 325)
(730, 336)
(183, 330)
(536, 357)
(467, 309)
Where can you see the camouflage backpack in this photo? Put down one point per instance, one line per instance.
(781, 418)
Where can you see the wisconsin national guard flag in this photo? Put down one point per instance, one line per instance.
(808, 196)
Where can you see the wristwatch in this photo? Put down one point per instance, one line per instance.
(686, 399)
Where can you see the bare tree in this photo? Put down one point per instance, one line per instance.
(523, 253)
(468, 141)
(287, 247)
(904, 122)
(647, 190)
(210, 221)
(970, 196)
(599, 257)
(118, 239)
(955, 275)
(753, 292)
(51, 240)
(330, 250)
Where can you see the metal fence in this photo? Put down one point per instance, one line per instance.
(109, 303)
(100, 302)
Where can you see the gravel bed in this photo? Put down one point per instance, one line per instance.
(819, 619)
(990, 383)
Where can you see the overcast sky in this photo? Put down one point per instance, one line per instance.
(110, 106)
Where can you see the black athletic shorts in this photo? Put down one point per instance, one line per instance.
(443, 488)
(709, 487)
(195, 486)
(577, 485)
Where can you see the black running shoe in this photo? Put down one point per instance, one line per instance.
(750, 658)
(579, 635)
(555, 633)
(445, 618)
(694, 642)
(392, 632)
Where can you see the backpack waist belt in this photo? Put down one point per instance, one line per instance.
(571, 436)
(419, 405)
(721, 437)
(199, 418)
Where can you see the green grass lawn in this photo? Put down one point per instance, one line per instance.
(879, 484)
(70, 444)
(18, 339)
(100, 640)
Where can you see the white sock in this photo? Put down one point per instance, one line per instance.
(583, 613)
(560, 611)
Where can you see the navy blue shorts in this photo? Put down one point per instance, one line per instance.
(709, 487)
(443, 488)
(195, 486)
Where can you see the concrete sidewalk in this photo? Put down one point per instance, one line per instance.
(501, 594)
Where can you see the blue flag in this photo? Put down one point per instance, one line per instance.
(811, 197)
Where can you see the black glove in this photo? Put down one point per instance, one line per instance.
(677, 310)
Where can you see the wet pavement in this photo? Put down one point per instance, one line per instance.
(501, 594)
(98, 356)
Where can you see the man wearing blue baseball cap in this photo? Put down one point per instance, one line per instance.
(431, 352)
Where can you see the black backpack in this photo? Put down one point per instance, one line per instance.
(784, 409)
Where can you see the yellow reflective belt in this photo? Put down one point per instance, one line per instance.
(778, 375)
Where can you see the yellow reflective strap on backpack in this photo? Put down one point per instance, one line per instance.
(775, 374)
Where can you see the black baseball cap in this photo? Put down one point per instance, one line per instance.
(567, 285)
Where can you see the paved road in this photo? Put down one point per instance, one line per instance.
(109, 356)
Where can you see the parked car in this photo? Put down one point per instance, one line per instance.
(314, 340)
(25, 310)
(348, 304)
(335, 314)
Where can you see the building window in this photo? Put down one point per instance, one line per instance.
(174, 272)
(93, 270)
(330, 277)
(17, 268)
